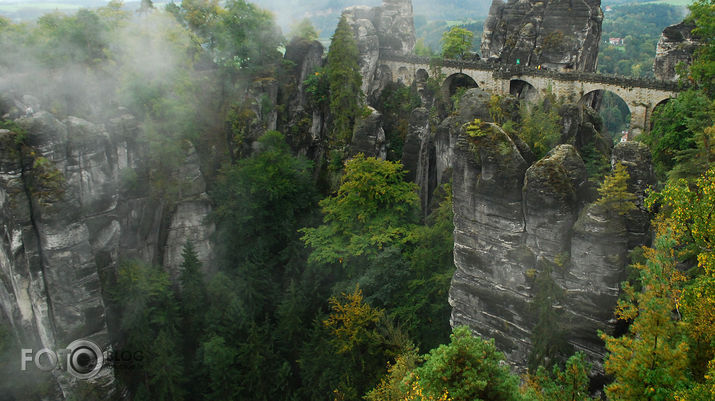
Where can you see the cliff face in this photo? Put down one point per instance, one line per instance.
(516, 217)
(676, 45)
(72, 206)
(514, 220)
(387, 28)
(556, 34)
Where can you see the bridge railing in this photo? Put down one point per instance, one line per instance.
(511, 71)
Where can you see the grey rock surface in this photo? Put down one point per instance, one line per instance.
(386, 28)
(675, 46)
(368, 136)
(513, 219)
(559, 35)
(74, 206)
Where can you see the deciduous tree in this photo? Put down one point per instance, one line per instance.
(456, 42)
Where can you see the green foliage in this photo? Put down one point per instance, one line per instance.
(192, 299)
(359, 341)
(615, 115)
(640, 25)
(422, 309)
(550, 345)
(649, 363)
(702, 69)
(82, 38)
(260, 203)
(373, 210)
(395, 103)
(456, 42)
(615, 196)
(345, 83)
(678, 135)
(422, 49)
(318, 90)
(149, 323)
(469, 368)
(540, 126)
(597, 164)
(304, 30)
(569, 384)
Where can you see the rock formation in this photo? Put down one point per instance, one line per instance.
(514, 219)
(559, 34)
(73, 204)
(368, 136)
(387, 28)
(676, 45)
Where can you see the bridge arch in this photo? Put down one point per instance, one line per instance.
(615, 112)
(523, 90)
(403, 75)
(421, 75)
(658, 106)
(456, 81)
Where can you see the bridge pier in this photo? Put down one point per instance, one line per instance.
(640, 119)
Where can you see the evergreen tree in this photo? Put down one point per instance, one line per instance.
(345, 83)
(650, 362)
(468, 368)
(614, 192)
(192, 297)
(149, 323)
(569, 384)
(373, 210)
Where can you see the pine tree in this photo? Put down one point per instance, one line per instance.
(614, 192)
(649, 363)
(345, 81)
(193, 301)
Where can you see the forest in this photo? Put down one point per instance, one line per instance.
(330, 278)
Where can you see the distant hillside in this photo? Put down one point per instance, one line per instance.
(325, 13)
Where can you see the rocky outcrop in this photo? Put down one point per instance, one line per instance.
(559, 35)
(387, 28)
(368, 136)
(636, 157)
(513, 220)
(303, 121)
(675, 46)
(74, 203)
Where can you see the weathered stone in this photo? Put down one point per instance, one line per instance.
(512, 221)
(675, 46)
(592, 279)
(361, 20)
(636, 157)
(384, 29)
(60, 237)
(489, 291)
(550, 201)
(559, 35)
(368, 136)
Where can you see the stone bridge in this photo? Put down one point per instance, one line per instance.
(641, 95)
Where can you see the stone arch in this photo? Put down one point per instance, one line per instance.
(456, 81)
(421, 75)
(657, 106)
(615, 112)
(523, 90)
